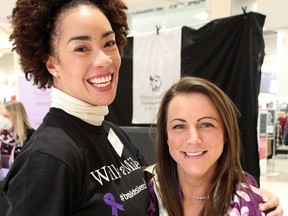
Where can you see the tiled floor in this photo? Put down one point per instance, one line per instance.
(275, 179)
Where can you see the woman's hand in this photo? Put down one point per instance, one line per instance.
(271, 204)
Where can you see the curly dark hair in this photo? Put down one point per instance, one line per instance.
(34, 29)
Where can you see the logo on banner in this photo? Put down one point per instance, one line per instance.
(155, 82)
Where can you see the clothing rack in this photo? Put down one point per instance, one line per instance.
(281, 134)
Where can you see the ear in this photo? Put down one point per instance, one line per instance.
(50, 64)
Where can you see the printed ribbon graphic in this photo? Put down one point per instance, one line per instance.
(110, 200)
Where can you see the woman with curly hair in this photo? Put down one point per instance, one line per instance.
(76, 163)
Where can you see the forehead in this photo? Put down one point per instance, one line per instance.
(193, 103)
(190, 98)
(83, 18)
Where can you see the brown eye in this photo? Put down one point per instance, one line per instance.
(110, 43)
(80, 49)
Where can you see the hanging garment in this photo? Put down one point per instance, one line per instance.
(7, 142)
(285, 133)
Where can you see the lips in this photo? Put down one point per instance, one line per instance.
(101, 82)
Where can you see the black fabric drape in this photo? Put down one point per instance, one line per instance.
(120, 111)
(227, 51)
(230, 52)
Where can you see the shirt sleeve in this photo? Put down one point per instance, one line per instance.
(246, 199)
(38, 186)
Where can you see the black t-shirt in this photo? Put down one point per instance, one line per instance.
(70, 167)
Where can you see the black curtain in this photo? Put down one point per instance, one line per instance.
(227, 51)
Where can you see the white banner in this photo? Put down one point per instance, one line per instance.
(36, 101)
(156, 66)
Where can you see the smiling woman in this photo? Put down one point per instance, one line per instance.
(74, 46)
(198, 150)
(87, 61)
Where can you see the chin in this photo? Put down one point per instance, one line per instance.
(105, 102)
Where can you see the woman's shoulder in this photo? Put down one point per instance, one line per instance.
(54, 139)
(250, 179)
(246, 198)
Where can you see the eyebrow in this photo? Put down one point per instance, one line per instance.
(87, 38)
(205, 117)
(106, 34)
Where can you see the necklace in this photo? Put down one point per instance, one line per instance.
(197, 197)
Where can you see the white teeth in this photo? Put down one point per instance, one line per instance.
(102, 85)
(101, 82)
(194, 154)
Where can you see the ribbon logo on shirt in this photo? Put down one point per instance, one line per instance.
(110, 200)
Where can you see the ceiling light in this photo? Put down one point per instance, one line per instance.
(203, 16)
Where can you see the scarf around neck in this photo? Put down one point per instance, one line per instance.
(87, 112)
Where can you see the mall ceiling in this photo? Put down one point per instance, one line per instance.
(276, 9)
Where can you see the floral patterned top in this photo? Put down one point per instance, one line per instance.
(245, 200)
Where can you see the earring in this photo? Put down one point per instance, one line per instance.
(29, 76)
(55, 74)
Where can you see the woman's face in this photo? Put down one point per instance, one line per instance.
(86, 58)
(195, 135)
(4, 113)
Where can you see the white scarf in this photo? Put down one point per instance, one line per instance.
(89, 113)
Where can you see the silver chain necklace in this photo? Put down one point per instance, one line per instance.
(196, 197)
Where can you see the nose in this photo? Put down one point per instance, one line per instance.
(193, 137)
(102, 59)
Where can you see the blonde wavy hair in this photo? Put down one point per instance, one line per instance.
(19, 119)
